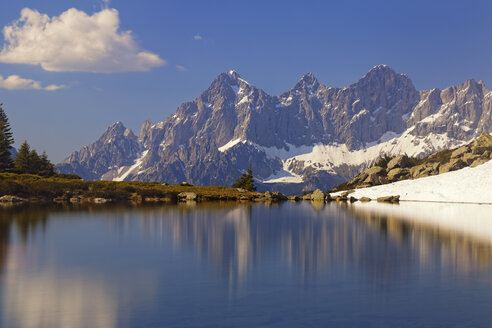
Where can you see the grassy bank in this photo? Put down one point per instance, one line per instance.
(63, 188)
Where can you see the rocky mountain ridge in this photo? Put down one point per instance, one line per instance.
(402, 167)
(310, 136)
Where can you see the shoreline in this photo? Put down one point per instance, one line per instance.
(25, 188)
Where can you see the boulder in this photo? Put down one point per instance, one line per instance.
(241, 190)
(11, 199)
(185, 184)
(75, 200)
(358, 179)
(374, 179)
(469, 158)
(435, 167)
(274, 196)
(346, 193)
(398, 174)
(482, 144)
(341, 198)
(415, 171)
(453, 165)
(479, 161)
(389, 199)
(101, 200)
(318, 195)
(306, 197)
(375, 170)
(429, 169)
(164, 184)
(294, 198)
(365, 199)
(458, 152)
(186, 196)
(398, 162)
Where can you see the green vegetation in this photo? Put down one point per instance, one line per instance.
(63, 187)
(383, 161)
(28, 161)
(246, 181)
(441, 157)
(6, 141)
(33, 177)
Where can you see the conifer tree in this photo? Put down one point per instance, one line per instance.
(28, 161)
(6, 141)
(246, 181)
(22, 162)
(46, 168)
(34, 162)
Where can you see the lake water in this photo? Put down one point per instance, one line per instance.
(230, 265)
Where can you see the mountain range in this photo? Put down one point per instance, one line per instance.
(311, 136)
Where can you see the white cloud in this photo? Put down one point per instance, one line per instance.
(75, 41)
(181, 68)
(15, 82)
(198, 37)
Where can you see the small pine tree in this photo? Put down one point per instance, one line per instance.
(6, 141)
(46, 168)
(246, 181)
(22, 162)
(34, 162)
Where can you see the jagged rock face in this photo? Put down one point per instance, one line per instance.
(462, 111)
(117, 147)
(316, 134)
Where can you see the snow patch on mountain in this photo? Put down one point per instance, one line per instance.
(125, 171)
(332, 156)
(229, 145)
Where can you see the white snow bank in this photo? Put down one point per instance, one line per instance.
(468, 185)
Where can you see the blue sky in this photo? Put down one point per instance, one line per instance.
(270, 43)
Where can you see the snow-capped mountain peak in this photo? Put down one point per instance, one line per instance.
(312, 135)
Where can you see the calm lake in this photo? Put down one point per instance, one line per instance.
(247, 265)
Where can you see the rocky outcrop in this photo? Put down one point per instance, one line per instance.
(398, 162)
(403, 167)
(187, 196)
(318, 195)
(10, 199)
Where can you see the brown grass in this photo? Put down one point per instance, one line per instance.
(28, 186)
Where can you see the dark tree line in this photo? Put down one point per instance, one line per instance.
(246, 181)
(6, 142)
(26, 160)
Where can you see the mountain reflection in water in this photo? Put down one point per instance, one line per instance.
(110, 266)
